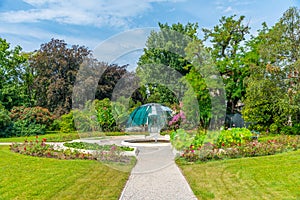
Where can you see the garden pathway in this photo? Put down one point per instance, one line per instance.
(156, 176)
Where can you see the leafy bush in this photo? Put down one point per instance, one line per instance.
(5, 122)
(180, 139)
(105, 117)
(36, 115)
(30, 121)
(233, 136)
(198, 140)
(274, 128)
(291, 130)
(26, 128)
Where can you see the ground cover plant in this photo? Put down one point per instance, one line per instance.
(268, 177)
(28, 177)
(95, 146)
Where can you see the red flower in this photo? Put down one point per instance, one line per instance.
(36, 136)
(44, 139)
(24, 148)
(223, 144)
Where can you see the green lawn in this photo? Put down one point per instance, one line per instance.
(64, 137)
(269, 177)
(51, 137)
(26, 177)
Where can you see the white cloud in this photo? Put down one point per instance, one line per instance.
(31, 38)
(233, 6)
(77, 12)
(228, 9)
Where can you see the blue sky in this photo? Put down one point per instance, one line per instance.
(29, 23)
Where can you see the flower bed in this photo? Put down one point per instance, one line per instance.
(41, 149)
(235, 143)
(209, 151)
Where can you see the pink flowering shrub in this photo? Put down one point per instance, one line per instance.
(177, 120)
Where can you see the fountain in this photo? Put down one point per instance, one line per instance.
(155, 119)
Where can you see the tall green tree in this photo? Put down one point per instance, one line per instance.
(108, 81)
(56, 65)
(15, 76)
(163, 62)
(273, 87)
(206, 85)
(228, 53)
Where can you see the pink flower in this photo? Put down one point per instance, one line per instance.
(113, 148)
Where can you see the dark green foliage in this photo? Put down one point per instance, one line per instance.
(108, 81)
(5, 122)
(30, 121)
(291, 130)
(163, 63)
(228, 54)
(105, 116)
(272, 94)
(15, 76)
(56, 66)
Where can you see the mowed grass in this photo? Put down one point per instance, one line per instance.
(51, 137)
(268, 177)
(26, 177)
(64, 137)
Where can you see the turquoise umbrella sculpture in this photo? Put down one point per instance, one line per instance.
(145, 114)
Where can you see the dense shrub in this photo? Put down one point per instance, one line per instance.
(274, 128)
(66, 123)
(291, 130)
(30, 121)
(105, 116)
(95, 116)
(180, 139)
(5, 122)
(233, 136)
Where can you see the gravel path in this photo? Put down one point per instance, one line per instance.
(156, 176)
